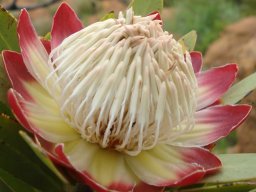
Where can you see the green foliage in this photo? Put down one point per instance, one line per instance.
(19, 161)
(142, 7)
(4, 82)
(86, 8)
(168, 3)
(238, 91)
(8, 34)
(236, 168)
(40, 154)
(237, 175)
(188, 41)
(248, 7)
(9, 183)
(47, 36)
(226, 187)
(223, 145)
(8, 41)
(110, 15)
(207, 17)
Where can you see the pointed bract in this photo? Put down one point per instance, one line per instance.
(114, 175)
(41, 115)
(47, 45)
(65, 23)
(33, 52)
(197, 60)
(212, 84)
(158, 16)
(17, 72)
(173, 166)
(17, 109)
(214, 123)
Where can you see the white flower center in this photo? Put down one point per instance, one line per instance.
(125, 84)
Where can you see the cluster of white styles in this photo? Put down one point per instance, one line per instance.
(124, 84)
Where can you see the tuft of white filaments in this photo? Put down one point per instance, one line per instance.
(124, 84)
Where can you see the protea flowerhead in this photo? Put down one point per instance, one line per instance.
(119, 102)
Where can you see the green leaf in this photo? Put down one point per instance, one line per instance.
(9, 129)
(8, 31)
(142, 7)
(236, 168)
(238, 91)
(230, 187)
(4, 187)
(42, 156)
(9, 183)
(9, 135)
(110, 15)
(4, 82)
(48, 36)
(19, 160)
(8, 41)
(5, 110)
(188, 41)
(20, 166)
(238, 174)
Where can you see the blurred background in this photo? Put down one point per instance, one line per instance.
(226, 34)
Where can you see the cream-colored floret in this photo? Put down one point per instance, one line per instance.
(124, 84)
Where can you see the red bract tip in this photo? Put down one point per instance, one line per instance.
(157, 17)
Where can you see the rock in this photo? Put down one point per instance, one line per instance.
(237, 45)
